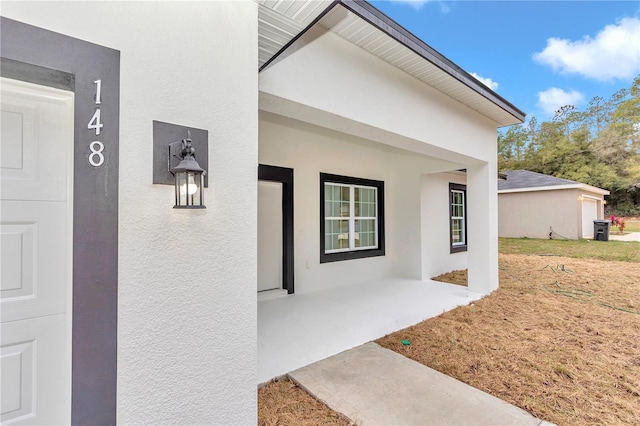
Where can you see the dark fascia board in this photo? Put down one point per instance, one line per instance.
(396, 31)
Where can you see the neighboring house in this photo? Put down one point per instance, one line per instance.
(534, 205)
(149, 314)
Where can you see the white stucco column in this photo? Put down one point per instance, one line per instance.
(482, 227)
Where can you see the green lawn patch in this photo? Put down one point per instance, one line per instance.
(582, 249)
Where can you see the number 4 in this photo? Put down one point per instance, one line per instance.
(95, 123)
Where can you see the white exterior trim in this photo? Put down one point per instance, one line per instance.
(582, 186)
(590, 197)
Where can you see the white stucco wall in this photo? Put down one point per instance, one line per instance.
(187, 299)
(532, 213)
(309, 150)
(436, 256)
(391, 106)
(332, 83)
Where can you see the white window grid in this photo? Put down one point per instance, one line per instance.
(459, 219)
(352, 235)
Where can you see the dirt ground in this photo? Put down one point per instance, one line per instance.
(560, 339)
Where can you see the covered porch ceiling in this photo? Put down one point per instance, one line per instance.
(282, 22)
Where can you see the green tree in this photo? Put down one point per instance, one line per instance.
(599, 146)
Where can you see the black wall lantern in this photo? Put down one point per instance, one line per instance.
(174, 162)
(189, 183)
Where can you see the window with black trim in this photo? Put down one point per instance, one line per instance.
(351, 218)
(458, 217)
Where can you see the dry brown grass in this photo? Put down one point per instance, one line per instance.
(560, 339)
(283, 403)
(458, 277)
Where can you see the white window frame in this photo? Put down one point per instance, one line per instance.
(353, 235)
(352, 253)
(461, 245)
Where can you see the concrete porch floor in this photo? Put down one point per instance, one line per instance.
(297, 330)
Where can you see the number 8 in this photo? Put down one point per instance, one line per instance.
(96, 152)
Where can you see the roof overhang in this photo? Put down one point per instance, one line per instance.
(281, 23)
(580, 186)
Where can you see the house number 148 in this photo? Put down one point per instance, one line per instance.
(96, 157)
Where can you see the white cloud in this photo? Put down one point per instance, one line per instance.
(416, 4)
(486, 81)
(614, 53)
(550, 100)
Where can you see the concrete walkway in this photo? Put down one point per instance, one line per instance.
(375, 386)
(632, 236)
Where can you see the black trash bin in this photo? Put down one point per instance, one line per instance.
(601, 230)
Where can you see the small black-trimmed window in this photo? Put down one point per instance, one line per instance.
(458, 217)
(351, 218)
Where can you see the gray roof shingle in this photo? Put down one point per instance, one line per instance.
(525, 179)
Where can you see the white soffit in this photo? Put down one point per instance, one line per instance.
(280, 21)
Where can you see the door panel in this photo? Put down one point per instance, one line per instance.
(269, 235)
(36, 241)
(35, 386)
(35, 280)
(34, 166)
(589, 214)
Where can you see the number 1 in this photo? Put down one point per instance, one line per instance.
(98, 91)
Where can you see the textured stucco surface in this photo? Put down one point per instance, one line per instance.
(187, 301)
(482, 226)
(332, 83)
(310, 150)
(531, 214)
(372, 99)
(416, 203)
(187, 280)
(436, 256)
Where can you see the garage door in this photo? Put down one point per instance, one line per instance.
(589, 214)
(36, 241)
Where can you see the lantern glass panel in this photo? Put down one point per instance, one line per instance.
(189, 190)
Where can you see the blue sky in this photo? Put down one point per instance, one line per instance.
(539, 55)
